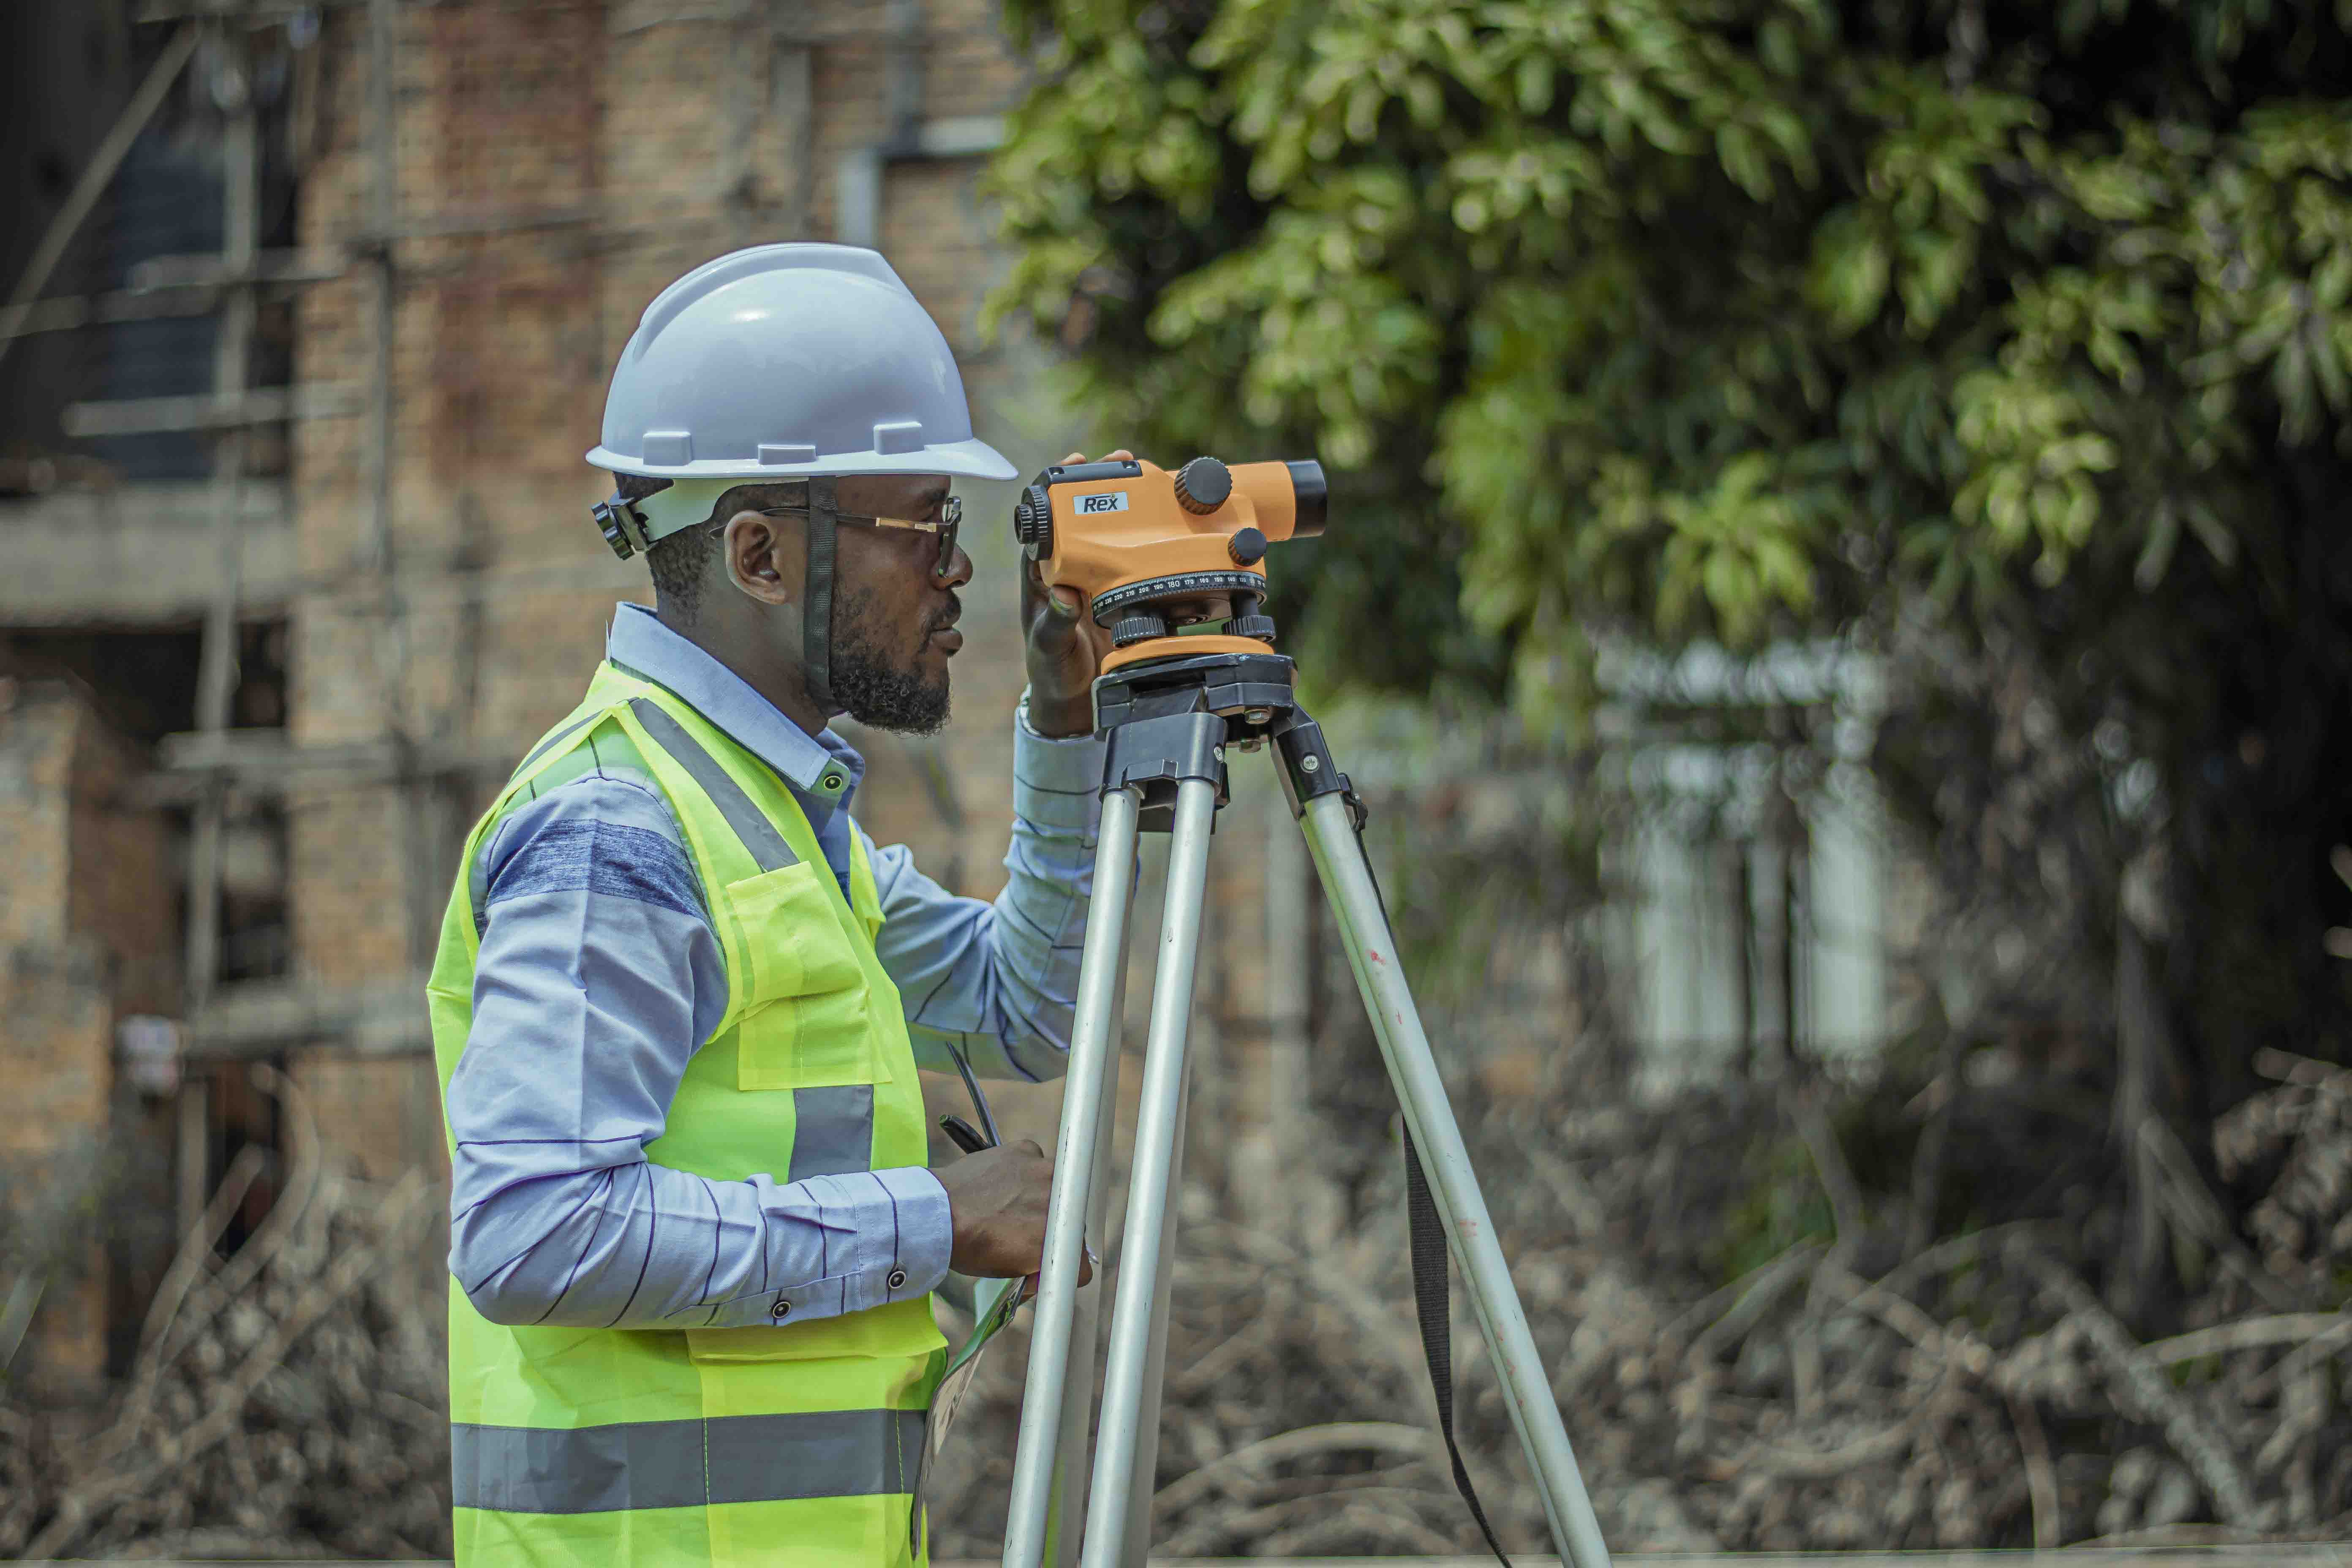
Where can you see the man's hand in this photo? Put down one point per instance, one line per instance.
(1065, 648)
(996, 1200)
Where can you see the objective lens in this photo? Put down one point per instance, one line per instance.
(1314, 498)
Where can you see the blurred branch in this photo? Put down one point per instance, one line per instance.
(165, 1452)
(2253, 1334)
(2192, 1206)
(1237, 1468)
(2040, 1476)
(2146, 1389)
(1764, 1287)
(17, 1313)
(196, 1247)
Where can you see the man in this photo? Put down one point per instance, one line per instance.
(681, 997)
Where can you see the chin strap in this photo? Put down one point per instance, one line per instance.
(817, 635)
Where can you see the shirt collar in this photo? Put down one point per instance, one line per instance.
(824, 770)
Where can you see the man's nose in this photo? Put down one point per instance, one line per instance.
(958, 569)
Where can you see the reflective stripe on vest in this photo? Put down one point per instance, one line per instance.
(562, 733)
(836, 1130)
(761, 839)
(686, 1464)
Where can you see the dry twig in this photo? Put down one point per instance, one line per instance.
(169, 1451)
(1374, 1437)
(2040, 1476)
(2151, 1395)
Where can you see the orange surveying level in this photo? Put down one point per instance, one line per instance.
(1154, 552)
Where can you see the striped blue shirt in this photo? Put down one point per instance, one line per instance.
(598, 976)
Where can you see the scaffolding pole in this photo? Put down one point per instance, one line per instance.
(418, 816)
(94, 180)
(216, 667)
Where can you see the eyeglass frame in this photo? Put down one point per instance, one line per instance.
(950, 519)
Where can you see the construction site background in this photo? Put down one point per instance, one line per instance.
(452, 216)
(417, 590)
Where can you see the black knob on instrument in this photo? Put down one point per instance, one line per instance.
(1258, 626)
(1136, 628)
(1247, 547)
(1204, 485)
(1033, 522)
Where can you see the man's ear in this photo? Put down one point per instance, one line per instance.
(763, 558)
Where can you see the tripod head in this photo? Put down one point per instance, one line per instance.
(1153, 552)
(1170, 719)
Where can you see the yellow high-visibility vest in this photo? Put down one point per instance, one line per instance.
(784, 1443)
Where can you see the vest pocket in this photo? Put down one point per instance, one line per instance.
(804, 1021)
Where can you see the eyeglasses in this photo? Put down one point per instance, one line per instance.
(950, 518)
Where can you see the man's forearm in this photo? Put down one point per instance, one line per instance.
(994, 981)
(640, 1246)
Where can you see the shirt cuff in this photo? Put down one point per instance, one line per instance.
(926, 1233)
(887, 1238)
(1057, 780)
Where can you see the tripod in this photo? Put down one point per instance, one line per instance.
(1170, 721)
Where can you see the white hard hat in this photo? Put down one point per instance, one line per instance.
(785, 360)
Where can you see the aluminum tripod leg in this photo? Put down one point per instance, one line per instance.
(1130, 1381)
(1074, 1454)
(1081, 1157)
(1144, 1469)
(1470, 1231)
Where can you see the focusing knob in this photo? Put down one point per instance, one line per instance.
(1137, 629)
(1204, 485)
(1247, 547)
(1258, 626)
(1033, 522)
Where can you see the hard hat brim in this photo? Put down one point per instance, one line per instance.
(971, 459)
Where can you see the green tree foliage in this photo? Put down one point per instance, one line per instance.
(1709, 316)
(2012, 338)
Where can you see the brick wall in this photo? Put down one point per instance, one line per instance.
(87, 934)
(641, 139)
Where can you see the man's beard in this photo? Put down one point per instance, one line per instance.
(879, 688)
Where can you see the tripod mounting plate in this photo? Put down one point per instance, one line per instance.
(1170, 720)
(1234, 685)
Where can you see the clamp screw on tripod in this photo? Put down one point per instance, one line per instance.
(1170, 716)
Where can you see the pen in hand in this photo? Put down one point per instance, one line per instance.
(961, 1134)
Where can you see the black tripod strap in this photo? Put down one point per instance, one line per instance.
(1430, 1300)
(1425, 1231)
